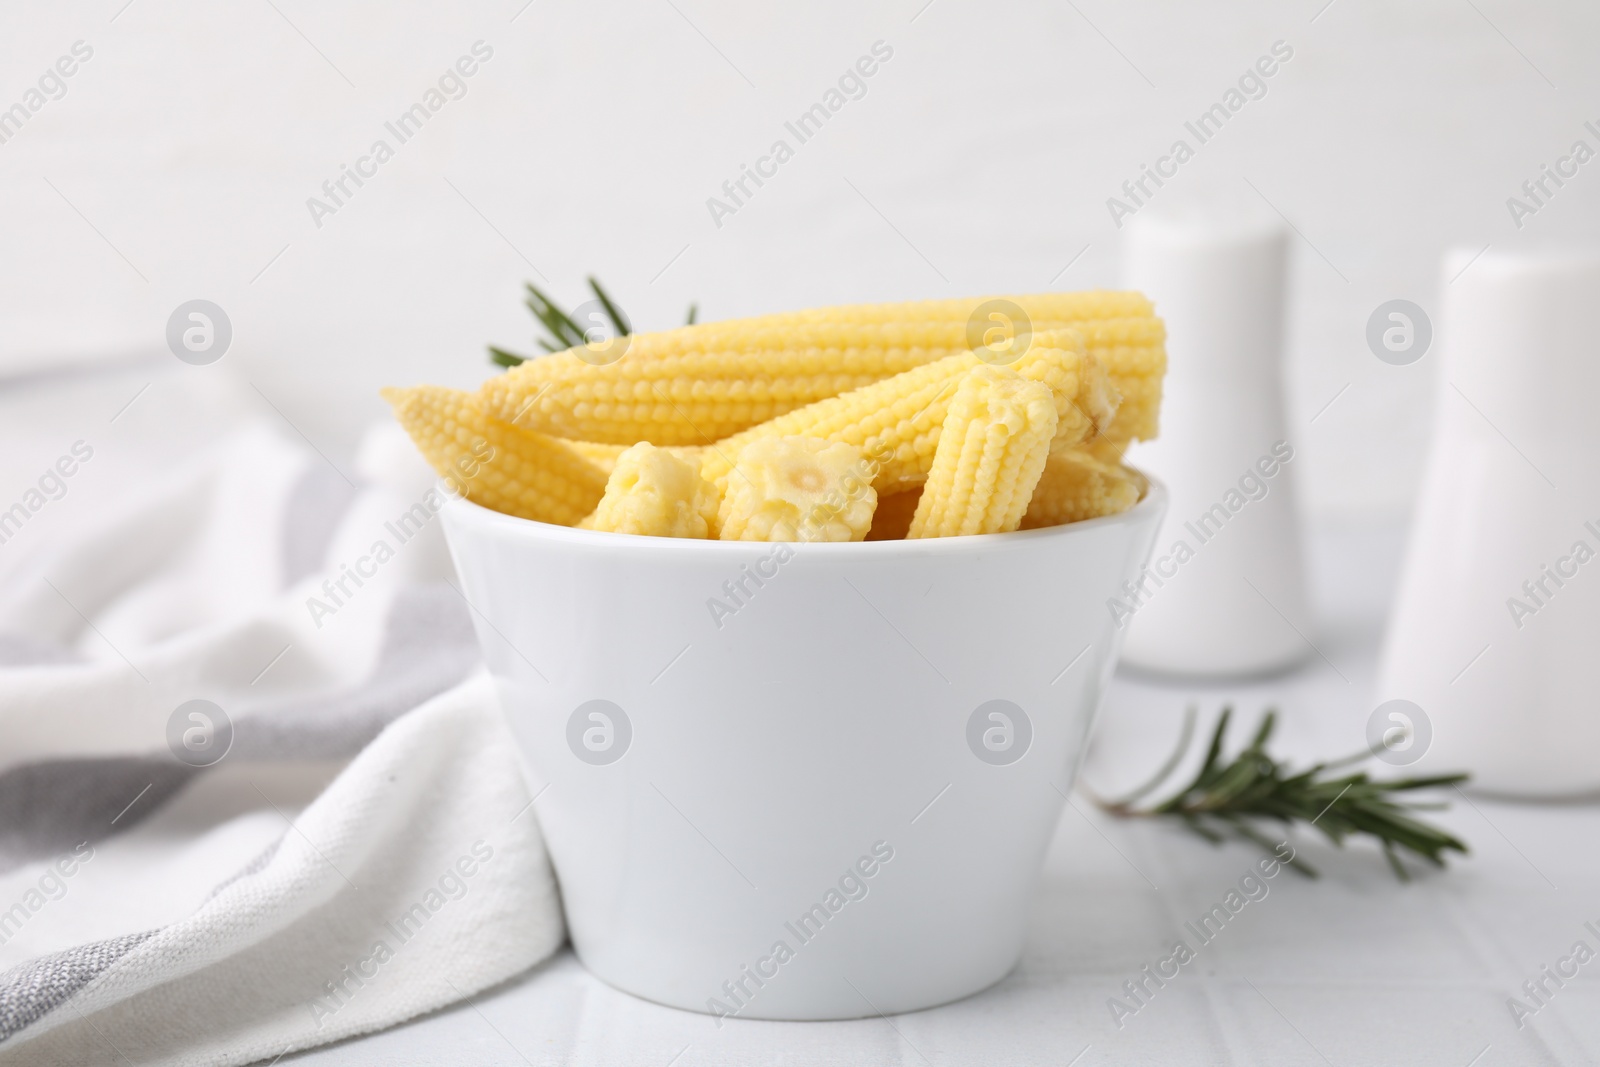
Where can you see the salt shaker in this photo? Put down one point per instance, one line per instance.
(1494, 640)
(1224, 594)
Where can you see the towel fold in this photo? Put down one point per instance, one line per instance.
(255, 792)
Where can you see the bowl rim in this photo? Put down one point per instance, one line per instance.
(1151, 507)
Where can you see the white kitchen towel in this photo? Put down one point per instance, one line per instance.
(255, 792)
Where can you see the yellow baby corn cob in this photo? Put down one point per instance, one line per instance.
(652, 491)
(896, 422)
(892, 518)
(1112, 451)
(799, 489)
(1119, 329)
(991, 452)
(698, 384)
(605, 456)
(1082, 483)
(491, 463)
(1137, 371)
(602, 455)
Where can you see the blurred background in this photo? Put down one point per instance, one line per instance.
(178, 162)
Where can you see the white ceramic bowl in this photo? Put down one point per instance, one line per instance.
(860, 757)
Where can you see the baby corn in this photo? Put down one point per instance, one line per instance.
(836, 423)
(494, 464)
(605, 456)
(1079, 484)
(992, 449)
(698, 384)
(601, 455)
(896, 422)
(798, 489)
(652, 491)
(1120, 329)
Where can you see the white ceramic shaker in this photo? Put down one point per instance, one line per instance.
(1495, 636)
(1225, 592)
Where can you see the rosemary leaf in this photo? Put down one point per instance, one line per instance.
(561, 332)
(1232, 797)
(619, 321)
(501, 358)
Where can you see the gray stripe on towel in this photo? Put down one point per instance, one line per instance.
(47, 808)
(31, 991)
(428, 647)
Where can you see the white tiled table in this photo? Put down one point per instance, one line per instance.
(1350, 969)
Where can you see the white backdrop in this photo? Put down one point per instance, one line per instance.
(179, 160)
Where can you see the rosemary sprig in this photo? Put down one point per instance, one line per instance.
(561, 332)
(1225, 798)
(619, 321)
